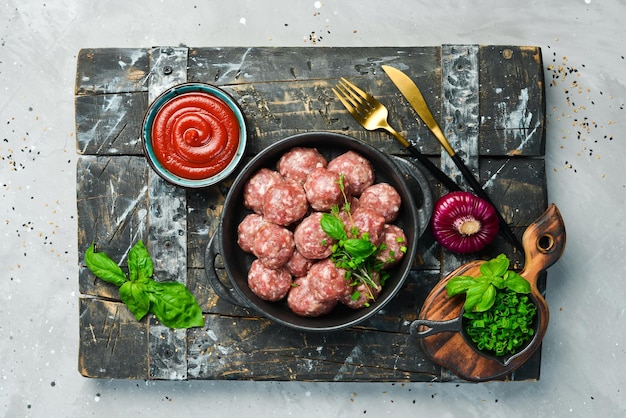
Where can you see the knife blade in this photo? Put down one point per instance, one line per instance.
(414, 96)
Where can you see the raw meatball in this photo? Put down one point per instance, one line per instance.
(256, 187)
(273, 245)
(298, 265)
(297, 163)
(370, 221)
(362, 294)
(394, 240)
(302, 301)
(285, 203)
(327, 281)
(356, 169)
(269, 284)
(247, 230)
(323, 190)
(310, 239)
(384, 199)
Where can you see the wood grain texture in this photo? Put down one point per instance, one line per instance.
(459, 67)
(113, 342)
(284, 91)
(112, 212)
(167, 228)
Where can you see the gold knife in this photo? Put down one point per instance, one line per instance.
(414, 96)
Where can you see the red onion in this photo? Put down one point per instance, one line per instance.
(463, 222)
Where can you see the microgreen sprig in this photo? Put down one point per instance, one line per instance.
(353, 252)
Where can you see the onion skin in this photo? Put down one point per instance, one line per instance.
(464, 223)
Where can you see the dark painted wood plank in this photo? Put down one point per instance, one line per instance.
(459, 88)
(113, 344)
(513, 106)
(291, 91)
(110, 124)
(112, 208)
(112, 70)
(167, 228)
(257, 349)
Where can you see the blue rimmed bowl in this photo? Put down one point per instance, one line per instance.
(194, 135)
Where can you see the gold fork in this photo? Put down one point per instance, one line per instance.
(372, 115)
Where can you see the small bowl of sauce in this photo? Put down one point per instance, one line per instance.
(194, 135)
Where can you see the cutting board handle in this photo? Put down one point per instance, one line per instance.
(544, 243)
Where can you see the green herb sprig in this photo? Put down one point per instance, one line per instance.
(481, 291)
(356, 254)
(171, 302)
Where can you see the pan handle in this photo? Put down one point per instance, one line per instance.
(435, 327)
(228, 294)
(424, 202)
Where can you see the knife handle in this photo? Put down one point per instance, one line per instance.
(480, 192)
(436, 171)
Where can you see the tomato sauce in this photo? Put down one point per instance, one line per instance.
(195, 135)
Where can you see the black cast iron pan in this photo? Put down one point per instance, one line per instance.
(413, 218)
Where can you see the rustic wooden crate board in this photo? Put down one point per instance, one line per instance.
(488, 99)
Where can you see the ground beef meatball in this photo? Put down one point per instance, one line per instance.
(310, 239)
(273, 245)
(356, 169)
(298, 265)
(384, 199)
(256, 186)
(362, 294)
(285, 203)
(247, 230)
(269, 284)
(370, 221)
(323, 190)
(328, 282)
(298, 162)
(395, 241)
(302, 301)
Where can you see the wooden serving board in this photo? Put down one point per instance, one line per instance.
(488, 99)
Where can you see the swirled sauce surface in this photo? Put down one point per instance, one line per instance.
(195, 135)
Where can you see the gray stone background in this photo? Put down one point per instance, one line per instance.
(584, 49)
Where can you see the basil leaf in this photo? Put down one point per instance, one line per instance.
(174, 305)
(136, 298)
(103, 267)
(459, 284)
(359, 247)
(140, 265)
(498, 282)
(333, 226)
(515, 282)
(480, 297)
(495, 267)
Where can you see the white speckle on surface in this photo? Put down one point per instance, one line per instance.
(212, 335)
(242, 20)
(317, 4)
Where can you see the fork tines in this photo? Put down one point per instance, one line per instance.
(352, 97)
